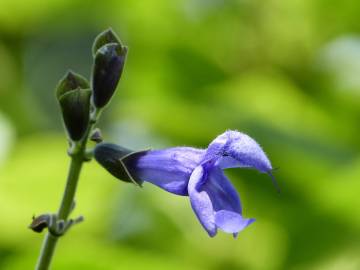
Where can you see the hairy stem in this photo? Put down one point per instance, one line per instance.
(77, 159)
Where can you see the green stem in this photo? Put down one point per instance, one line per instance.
(47, 251)
(50, 241)
(66, 205)
(70, 189)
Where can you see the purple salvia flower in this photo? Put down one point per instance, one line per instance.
(195, 173)
(169, 169)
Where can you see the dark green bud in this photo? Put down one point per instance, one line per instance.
(109, 62)
(75, 107)
(69, 82)
(108, 66)
(96, 136)
(73, 94)
(115, 160)
(105, 37)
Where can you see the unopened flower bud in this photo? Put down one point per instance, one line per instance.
(105, 37)
(108, 66)
(69, 82)
(114, 159)
(73, 94)
(96, 136)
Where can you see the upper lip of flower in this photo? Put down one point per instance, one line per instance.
(199, 174)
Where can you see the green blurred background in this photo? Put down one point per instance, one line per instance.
(285, 72)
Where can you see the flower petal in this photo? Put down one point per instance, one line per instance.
(169, 169)
(222, 193)
(231, 222)
(215, 201)
(236, 149)
(200, 201)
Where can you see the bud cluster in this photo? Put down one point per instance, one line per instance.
(77, 97)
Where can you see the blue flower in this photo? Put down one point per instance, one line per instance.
(197, 173)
